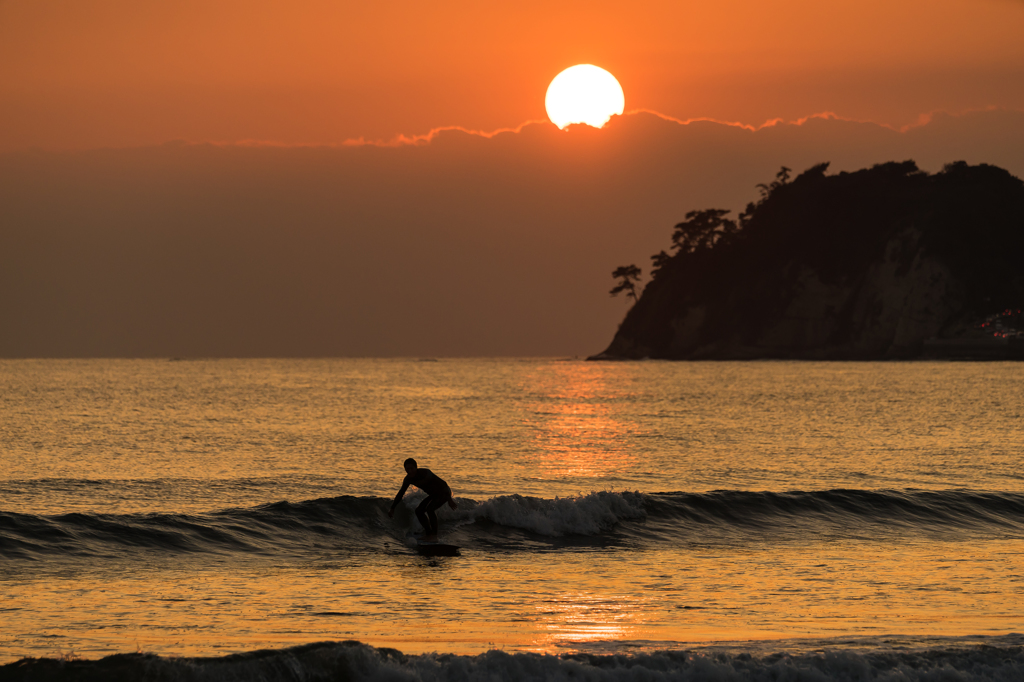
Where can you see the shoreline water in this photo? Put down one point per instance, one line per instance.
(971, 659)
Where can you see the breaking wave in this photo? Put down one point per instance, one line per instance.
(590, 514)
(517, 521)
(355, 661)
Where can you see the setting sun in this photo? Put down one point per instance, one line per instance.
(584, 94)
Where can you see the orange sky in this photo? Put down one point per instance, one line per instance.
(88, 73)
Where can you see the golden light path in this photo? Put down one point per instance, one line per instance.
(576, 432)
(584, 94)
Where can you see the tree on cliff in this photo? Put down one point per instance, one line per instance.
(781, 178)
(628, 276)
(702, 230)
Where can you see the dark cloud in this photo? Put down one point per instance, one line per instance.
(464, 246)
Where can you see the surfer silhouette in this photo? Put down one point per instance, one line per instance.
(437, 492)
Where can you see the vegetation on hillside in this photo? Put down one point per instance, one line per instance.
(836, 228)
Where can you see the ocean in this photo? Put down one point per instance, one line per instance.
(227, 520)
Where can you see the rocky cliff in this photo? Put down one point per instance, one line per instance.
(865, 265)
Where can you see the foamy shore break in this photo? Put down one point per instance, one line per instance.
(1002, 659)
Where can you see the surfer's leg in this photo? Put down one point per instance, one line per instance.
(424, 514)
(432, 504)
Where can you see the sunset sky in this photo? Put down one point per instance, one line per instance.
(125, 232)
(87, 73)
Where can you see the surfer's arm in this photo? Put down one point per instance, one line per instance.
(398, 497)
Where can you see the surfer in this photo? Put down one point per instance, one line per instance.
(437, 492)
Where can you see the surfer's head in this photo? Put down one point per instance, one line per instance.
(410, 465)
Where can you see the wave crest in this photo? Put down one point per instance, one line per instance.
(361, 524)
(590, 514)
(356, 661)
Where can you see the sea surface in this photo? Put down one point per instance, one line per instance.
(227, 519)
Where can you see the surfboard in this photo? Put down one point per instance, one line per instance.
(436, 549)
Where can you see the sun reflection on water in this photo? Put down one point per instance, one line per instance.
(583, 617)
(573, 414)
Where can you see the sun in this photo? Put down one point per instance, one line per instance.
(584, 94)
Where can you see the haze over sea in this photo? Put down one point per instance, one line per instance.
(642, 520)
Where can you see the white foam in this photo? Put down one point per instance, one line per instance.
(356, 661)
(589, 514)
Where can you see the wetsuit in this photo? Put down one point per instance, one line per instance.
(437, 492)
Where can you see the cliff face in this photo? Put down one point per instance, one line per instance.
(864, 265)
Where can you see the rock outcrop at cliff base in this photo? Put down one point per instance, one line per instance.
(887, 262)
